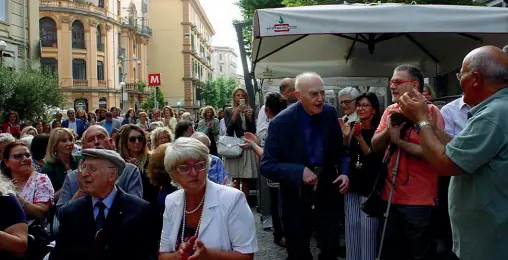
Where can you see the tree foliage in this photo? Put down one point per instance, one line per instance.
(30, 93)
(217, 93)
(149, 103)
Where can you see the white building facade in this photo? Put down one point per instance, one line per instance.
(224, 62)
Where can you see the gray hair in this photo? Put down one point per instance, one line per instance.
(488, 66)
(353, 92)
(27, 140)
(155, 134)
(183, 149)
(83, 136)
(305, 77)
(155, 125)
(186, 116)
(70, 110)
(202, 138)
(6, 137)
(505, 49)
(6, 186)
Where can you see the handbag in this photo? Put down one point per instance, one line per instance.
(229, 147)
(373, 206)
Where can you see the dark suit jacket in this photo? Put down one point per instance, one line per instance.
(285, 151)
(132, 231)
(80, 126)
(235, 127)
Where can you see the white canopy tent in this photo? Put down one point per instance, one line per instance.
(371, 40)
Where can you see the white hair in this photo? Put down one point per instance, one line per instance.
(353, 92)
(27, 140)
(488, 66)
(25, 131)
(304, 78)
(186, 116)
(155, 125)
(6, 137)
(155, 134)
(6, 186)
(202, 138)
(183, 149)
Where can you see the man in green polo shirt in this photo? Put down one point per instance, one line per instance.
(477, 157)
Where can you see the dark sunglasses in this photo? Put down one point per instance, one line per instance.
(134, 138)
(21, 156)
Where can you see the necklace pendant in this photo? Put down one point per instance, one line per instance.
(358, 165)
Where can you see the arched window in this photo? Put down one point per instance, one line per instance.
(78, 35)
(100, 45)
(47, 31)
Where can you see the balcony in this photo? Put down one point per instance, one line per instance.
(136, 89)
(140, 28)
(78, 5)
(80, 83)
(102, 83)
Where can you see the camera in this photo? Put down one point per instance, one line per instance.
(398, 118)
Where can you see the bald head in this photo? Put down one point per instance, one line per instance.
(202, 138)
(97, 137)
(491, 62)
(307, 79)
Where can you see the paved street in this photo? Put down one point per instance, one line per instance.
(267, 249)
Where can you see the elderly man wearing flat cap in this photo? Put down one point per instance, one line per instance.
(107, 223)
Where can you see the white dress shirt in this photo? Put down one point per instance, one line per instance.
(72, 125)
(262, 125)
(351, 118)
(455, 116)
(227, 222)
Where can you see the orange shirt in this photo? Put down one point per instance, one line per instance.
(417, 180)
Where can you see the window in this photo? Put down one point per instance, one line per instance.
(79, 69)
(118, 7)
(3, 10)
(78, 35)
(220, 68)
(220, 56)
(103, 103)
(100, 45)
(47, 31)
(134, 74)
(101, 3)
(100, 70)
(49, 65)
(120, 72)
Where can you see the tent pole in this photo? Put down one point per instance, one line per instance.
(243, 55)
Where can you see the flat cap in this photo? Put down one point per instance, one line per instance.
(109, 155)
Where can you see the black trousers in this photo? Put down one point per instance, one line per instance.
(298, 216)
(278, 232)
(409, 233)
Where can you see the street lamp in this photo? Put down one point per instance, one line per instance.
(3, 46)
(122, 105)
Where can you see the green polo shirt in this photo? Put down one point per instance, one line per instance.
(478, 198)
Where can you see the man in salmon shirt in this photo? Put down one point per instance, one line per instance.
(408, 234)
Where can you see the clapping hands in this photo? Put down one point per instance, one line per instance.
(193, 249)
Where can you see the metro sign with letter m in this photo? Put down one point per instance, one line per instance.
(154, 79)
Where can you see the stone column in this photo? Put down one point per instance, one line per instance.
(64, 57)
(92, 54)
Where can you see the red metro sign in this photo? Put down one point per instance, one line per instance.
(154, 79)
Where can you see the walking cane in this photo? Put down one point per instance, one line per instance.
(395, 171)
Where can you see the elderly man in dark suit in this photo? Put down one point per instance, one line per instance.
(304, 152)
(107, 223)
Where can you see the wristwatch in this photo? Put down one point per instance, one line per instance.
(420, 125)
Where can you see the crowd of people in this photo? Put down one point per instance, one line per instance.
(159, 185)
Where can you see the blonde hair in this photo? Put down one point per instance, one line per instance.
(155, 169)
(206, 109)
(158, 132)
(55, 137)
(183, 149)
(244, 91)
(186, 116)
(26, 130)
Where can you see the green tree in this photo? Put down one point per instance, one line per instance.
(210, 93)
(224, 98)
(149, 103)
(30, 93)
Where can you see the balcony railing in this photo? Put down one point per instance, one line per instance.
(74, 5)
(140, 28)
(134, 88)
(81, 83)
(102, 83)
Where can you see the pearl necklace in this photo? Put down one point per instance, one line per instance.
(185, 212)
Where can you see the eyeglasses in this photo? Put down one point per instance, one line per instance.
(397, 82)
(89, 168)
(21, 156)
(362, 106)
(133, 139)
(186, 168)
(346, 102)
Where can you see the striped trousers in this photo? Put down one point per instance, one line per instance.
(360, 230)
